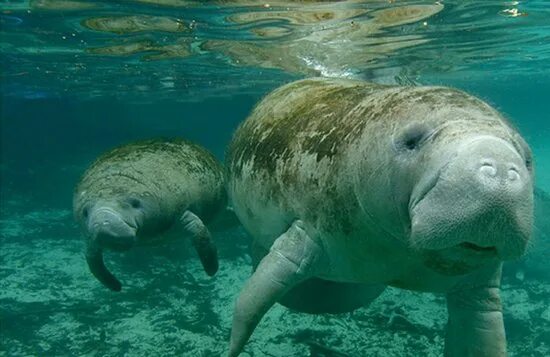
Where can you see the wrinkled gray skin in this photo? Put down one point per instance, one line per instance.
(347, 187)
(133, 194)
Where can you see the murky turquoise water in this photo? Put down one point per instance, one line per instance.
(80, 77)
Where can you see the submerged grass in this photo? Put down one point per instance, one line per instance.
(51, 305)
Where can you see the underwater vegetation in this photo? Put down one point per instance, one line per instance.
(50, 304)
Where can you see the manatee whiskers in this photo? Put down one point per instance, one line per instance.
(426, 188)
(478, 235)
(478, 248)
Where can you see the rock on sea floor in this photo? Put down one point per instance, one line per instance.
(51, 305)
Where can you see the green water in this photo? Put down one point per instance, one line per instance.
(80, 77)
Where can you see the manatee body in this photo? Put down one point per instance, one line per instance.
(133, 194)
(347, 187)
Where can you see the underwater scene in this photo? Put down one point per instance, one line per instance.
(274, 178)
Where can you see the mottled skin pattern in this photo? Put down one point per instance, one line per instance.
(359, 178)
(149, 185)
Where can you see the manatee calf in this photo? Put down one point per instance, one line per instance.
(134, 193)
(347, 187)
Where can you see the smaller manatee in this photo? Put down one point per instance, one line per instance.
(134, 193)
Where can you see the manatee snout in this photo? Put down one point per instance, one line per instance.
(109, 230)
(496, 166)
(481, 201)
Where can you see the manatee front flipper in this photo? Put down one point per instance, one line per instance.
(293, 258)
(542, 212)
(202, 241)
(475, 326)
(94, 257)
(337, 298)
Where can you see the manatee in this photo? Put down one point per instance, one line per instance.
(134, 193)
(347, 187)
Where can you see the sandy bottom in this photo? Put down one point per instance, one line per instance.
(51, 305)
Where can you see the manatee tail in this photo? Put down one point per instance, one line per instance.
(542, 212)
(94, 257)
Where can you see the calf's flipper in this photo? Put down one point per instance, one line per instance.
(94, 258)
(202, 241)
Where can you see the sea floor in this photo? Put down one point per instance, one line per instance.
(50, 304)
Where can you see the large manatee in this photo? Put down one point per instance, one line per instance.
(133, 194)
(347, 187)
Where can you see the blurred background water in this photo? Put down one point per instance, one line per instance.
(79, 77)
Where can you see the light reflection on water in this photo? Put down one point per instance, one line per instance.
(126, 48)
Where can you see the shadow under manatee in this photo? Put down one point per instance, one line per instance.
(391, 318)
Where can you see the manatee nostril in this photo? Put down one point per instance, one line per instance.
(491, 168)
(488, 167)
(513, 174)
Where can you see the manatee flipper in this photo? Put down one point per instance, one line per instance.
(94, 257)
(476, 325)
(202, 241)
(293, 257)
(542, 212)
(338, 297)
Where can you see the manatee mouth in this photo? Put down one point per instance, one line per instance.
(108, 229)
(478, 248)
(459, 259)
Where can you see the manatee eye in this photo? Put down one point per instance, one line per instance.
(413, 142)
(524, 148)
(85, 212)
(413, 137)
(135, 203)
(529, 162)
